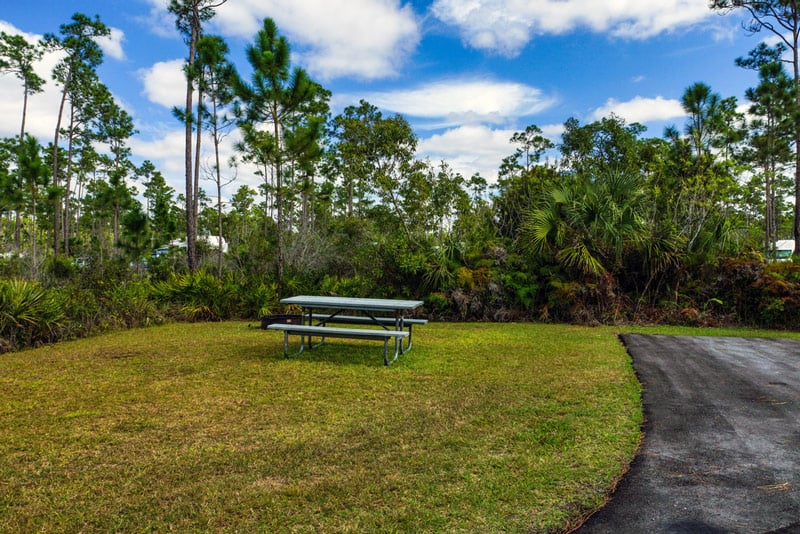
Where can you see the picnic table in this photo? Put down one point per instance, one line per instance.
(320, 311)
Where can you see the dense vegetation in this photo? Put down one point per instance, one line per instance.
(606, 225)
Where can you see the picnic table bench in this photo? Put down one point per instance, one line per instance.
(391, 327)
(408, 323)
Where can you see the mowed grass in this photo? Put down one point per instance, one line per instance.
(206, 427)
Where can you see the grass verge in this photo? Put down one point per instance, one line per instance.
(206, 427)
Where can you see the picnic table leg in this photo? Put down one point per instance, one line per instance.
(399, 325)
(322, 322)
(310, 311)
(397, 343)
(286, 345)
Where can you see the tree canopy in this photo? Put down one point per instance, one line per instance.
(603, 221)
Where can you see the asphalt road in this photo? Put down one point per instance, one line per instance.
(721, 449)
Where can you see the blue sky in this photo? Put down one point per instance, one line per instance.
(467, 74)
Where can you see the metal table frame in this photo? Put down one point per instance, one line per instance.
(371, 308)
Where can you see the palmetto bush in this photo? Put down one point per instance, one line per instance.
(84, 310)
(129, 305)
(198, 297)
(29, 314)
(588, 225)
(256, 299)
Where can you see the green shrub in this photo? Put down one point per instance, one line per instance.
(521, 289)
(346, 286)
(437, 305)
(197, 297)
(465, 279)
(29, 314)
(83, 311)
(59, 268)
(562, 299)
(14, 266)
(778, 291)
(129, 305)
(257, 300)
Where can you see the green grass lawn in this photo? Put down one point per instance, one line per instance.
(206, 427)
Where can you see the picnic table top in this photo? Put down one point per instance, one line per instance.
(350, 303)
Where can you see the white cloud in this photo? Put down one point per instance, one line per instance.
(467, 109)
(369, 39)
(164, 83)
(40, 117)
(10, 29)
(506, 26)
(552, 131)
(166, 150)
(641, 109)
(112, 44)
(454, 102)
(469, 149)
(159, 20)
(243, 18)
(42, 107)
(772, 40)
